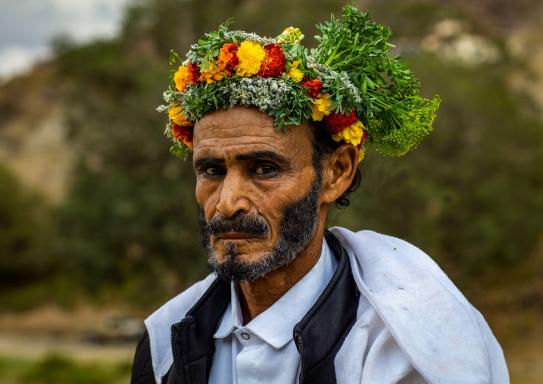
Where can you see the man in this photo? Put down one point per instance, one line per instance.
(288, 300)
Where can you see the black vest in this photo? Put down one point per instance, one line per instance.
(318, 336)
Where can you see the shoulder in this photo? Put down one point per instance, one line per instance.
(388, 261)
(442, 334)
(159, 323)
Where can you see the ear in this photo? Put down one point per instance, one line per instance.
(339, 171)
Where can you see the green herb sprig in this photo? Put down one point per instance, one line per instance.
(396, 117)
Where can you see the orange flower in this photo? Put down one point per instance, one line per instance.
(177, 116)
(228, 59)
(274, 61)
(186, 75)
(182, 78)
(184, 134)
(213, 73)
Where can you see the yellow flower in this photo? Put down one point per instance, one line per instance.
(178, 117)
(182, 78)
(352, 134)
(211, 74)
(250, 56)
(320, 107)
(294, 73)
(361, 153)
(291, 35)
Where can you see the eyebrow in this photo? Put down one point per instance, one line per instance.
(256, 155)
(260, 155)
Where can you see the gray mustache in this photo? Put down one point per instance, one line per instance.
(240, 223)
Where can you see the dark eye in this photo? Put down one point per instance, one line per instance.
(265, 170)
(214, 171)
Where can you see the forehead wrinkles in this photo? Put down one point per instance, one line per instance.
(220, 137)
(236, 145)
(227, 134)
(205, 130)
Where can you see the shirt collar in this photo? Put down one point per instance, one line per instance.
(275, 324)
(232, 318)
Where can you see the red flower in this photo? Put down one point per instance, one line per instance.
(183, 134)
(337, 122)
(274, 61)
(312, 87)
(228, 59)
(194, 72)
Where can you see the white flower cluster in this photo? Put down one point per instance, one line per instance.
(265, 93)
(192, 55)
(343, 77)
(169, 97)
(242, 35)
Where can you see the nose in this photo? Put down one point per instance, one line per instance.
(232, 198)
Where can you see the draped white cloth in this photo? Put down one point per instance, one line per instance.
(445, 338)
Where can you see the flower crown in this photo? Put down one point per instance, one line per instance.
(348, 82)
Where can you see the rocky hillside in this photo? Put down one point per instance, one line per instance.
(34, 140)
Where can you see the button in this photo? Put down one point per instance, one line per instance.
(245, 336)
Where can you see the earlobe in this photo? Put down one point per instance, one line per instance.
(339, 171)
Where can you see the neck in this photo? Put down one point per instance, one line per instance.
(257, 296)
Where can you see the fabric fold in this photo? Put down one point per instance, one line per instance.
(444, 337)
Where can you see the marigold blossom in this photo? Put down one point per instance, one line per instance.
(228, 59)
(250, 56)
(294, 73)
(353, 134)
(312, 87)
(337, 122)
(361, 154)
(182, 78)
(194, 71)
(320, 107)
(183, 134)
(274, 61)
(211, 74)
(178, 117)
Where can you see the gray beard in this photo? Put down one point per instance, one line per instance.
(296, 230)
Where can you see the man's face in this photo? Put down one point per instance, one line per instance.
(257, 190)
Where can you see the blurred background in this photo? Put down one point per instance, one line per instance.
(98, 224)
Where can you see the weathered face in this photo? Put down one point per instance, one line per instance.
(256, 187)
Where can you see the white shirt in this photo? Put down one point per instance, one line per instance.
(263, 351)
